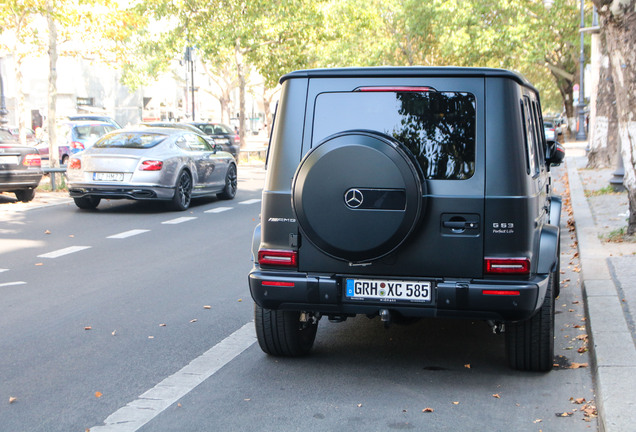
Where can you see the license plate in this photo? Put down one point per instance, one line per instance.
(388, 290)
(9, 160)
(106, 176)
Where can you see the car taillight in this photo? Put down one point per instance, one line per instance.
(151, 165)
(237, 139)
(278, 283)
(77, 145)
(74, 164)
(32, 160)
(284, 258)
(516, 266)
(395, 89)
(501, 292)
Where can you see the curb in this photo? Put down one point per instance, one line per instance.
(614, 353)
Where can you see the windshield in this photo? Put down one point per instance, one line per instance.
(139, 140)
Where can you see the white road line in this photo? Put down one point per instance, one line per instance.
(127, 234)
(218, 210)
(12, 284)
(3, 270)
(252, 201)
(179, 220)
(65, 251)
(153, 402)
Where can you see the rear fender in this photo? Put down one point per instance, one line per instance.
(548, 249)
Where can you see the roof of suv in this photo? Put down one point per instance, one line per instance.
(400, 71)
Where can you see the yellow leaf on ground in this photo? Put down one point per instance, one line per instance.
(428, 410)
(12, 399)
(98, 394)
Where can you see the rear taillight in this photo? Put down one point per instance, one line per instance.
(283, 258)
(278, 284)
(503, 266)
(395, 89)
(32, 160)
(74, 164)
(151, 165)
(237, 139)
(77, 145)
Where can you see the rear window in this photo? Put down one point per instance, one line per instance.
(130, 140)
(437, 127)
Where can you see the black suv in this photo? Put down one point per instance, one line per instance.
(408, 193)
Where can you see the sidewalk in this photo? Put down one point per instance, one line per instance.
(608, 276)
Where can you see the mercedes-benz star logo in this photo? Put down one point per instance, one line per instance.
(353, 198)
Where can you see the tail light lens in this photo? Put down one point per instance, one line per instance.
(282, 258)
(501, 292)
(151, 165)
(77, 145)
(74, 164)
(237, 139)
(504, 266)
(32, 160)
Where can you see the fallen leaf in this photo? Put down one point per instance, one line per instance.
(359, 405)
(467, 366)
(496, 395)
(151, 337)
(39, 264)
(455, 403)
(162, 325)
(114, 332)
(47, 232)
(537, 421)
(565, 414)
(98, 394)
(207, 307)
(582, 350)
(578, 401)
(247, 400)
(88, 328)
(71, 236)
(12, 399)
(578, 365)
(426, 410)
(179, 405)
(240, 300)
(194, 320)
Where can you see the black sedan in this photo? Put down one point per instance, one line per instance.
(20, 167)
(148, 163)
(223, 135)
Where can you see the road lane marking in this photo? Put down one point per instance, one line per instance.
(12, 284)
(62, 252)
(150, 404)
(218, 210)
(3, 270)
(252, 201)
(179, 220)
(127, 234)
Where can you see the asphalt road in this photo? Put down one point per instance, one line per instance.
(141, 318)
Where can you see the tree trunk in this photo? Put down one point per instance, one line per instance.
(603, 138)
(618, 21)
(20, 111)
(54, 160)
(242, 84)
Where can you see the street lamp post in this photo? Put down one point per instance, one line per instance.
(580, 132)
(3, 107)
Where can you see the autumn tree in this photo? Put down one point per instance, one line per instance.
(618, 25)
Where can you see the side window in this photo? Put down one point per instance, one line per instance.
(181, 143)
(540, 134)
(530, 135)
(197, 143)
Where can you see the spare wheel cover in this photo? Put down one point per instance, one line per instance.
(357, 195)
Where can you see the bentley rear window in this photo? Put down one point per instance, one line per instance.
(437, 127)
(130, 140)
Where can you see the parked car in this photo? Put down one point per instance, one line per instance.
(63, 151)
(169, 164)
(81, 134)
(31, 138)
(406, 193)
(220, 143)
(222, 134)
(20, 167)
(550, 131)
(99, 118)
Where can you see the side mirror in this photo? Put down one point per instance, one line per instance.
(555, 153)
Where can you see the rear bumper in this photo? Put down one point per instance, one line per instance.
(456, 299)
(122, 192)
(18, 180)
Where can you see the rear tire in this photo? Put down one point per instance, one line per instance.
(25, 195)
(87, 203)
(280, 333)
(182, 192)
(530, 343)
(231, 184)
